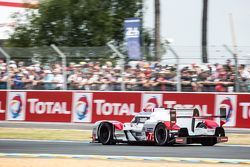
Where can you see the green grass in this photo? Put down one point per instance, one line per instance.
(79, 135)
(44, 134)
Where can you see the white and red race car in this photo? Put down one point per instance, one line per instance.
(163, 126)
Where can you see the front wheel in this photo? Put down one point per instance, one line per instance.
(105, 134)
(161, 135)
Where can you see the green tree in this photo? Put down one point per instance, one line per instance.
(75, 23)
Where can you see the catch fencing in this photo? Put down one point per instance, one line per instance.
(33, 69)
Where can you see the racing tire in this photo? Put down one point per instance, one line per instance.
(161, 135)
(105, 134)
(219, 132)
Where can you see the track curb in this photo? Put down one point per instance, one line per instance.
(134, 158)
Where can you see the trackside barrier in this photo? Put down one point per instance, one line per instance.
(89, 107)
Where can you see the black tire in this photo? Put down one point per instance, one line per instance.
(161, 135)
(105, 134)
(219, 132)
(183, 132)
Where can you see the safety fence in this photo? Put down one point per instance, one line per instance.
(89, 107)
(100, 68)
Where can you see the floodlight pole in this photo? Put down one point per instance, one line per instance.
(122, 57)
(178, 73)
(62, 55)
(7, 56)
(237, 88)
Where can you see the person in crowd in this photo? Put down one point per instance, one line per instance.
(137, 75)
(48, 78)
(58, 78)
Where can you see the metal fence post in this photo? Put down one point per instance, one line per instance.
(122, 57)
(62, 55)
(178, 73)
(7, 67)
(237, 88)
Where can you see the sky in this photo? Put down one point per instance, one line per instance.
(181, 22)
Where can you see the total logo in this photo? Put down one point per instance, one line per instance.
(151, 101)
(245, 110)
(15, 106)
(227, 103)
(82, 107)
(40, 107)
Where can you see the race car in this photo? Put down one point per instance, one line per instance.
(163, 126)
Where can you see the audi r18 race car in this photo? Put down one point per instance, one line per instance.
(163, 126)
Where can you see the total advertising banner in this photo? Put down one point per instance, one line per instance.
(46, 106)
(115, 106)
(229, 102)
(3, 95)
(132, 37)
(16, 106)
(89, 107)
(243, 111)
(82, 107)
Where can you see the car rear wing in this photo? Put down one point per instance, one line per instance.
(194, 114)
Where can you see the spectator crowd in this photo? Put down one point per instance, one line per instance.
(135, 76)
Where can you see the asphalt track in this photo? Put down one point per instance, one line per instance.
(86, 148)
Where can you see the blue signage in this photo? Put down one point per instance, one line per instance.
(132, 36)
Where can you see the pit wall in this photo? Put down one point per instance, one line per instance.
(89, 107)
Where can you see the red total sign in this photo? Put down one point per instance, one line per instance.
(115, 106)
(3, 99)
(48, 106)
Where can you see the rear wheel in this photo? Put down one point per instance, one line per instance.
(105, 134)
(219, 132)
(161, 135)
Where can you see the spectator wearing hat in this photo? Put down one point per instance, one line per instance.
(18, 81)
